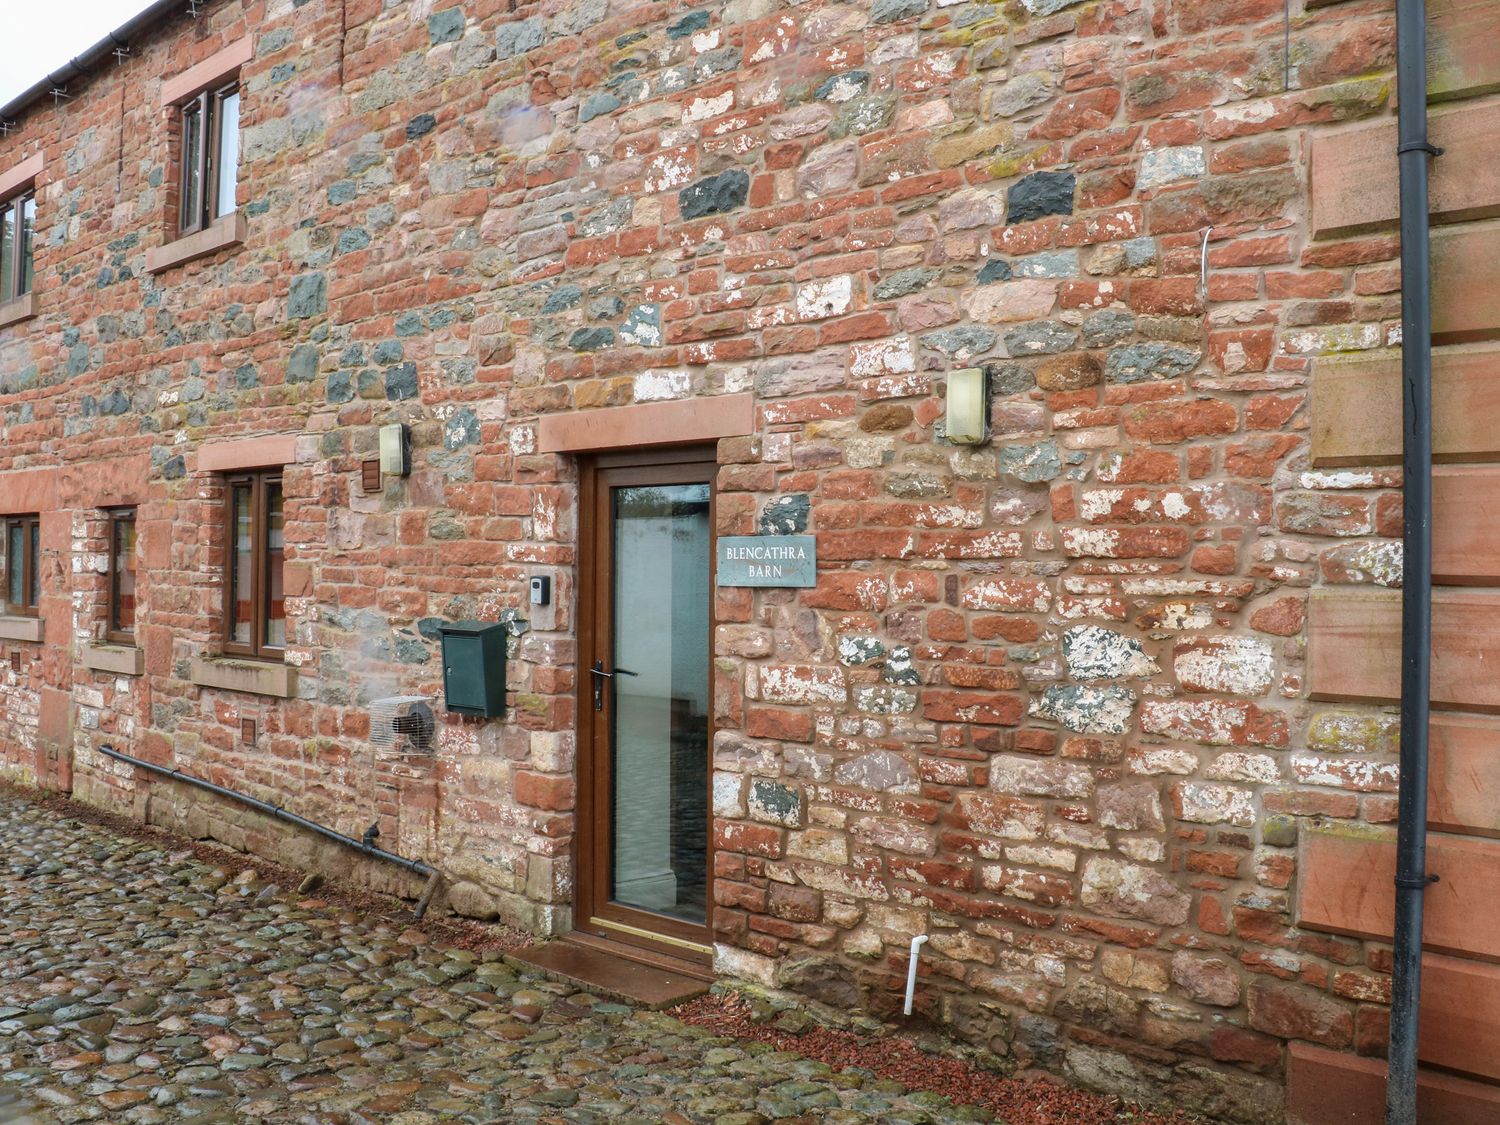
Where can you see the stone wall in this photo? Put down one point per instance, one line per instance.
(1047, 700)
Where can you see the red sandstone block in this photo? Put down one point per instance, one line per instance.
(1240, 350)
(1466, 276)
(847, 590)
(1216, 722)
(1125, 542)
(739, 895)
(1259, 456)
(970, 676)
(1283, 285)
(1071, 115)
(1325, 513)
(1222, 559)
(1233, 287)
(1191, 17)
(1356, 412)
(1169, 296)
(1355, 645)
(779, 723)
(544, 791)
(972, 707)
(1012, 629)
(1036, 740)
(749, 839)
(1164, 423)
(1283, 617)
(1310, 802)
(1272, 412)
(946, 625)
(1332, 1088)
(1355, 181)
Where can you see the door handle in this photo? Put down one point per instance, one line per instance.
(600, 676)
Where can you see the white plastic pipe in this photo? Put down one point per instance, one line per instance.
(911, 972)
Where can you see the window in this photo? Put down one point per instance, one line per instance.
(119, 625)
(23, 555)
(254, 601)
(210, 157)
(17, 225)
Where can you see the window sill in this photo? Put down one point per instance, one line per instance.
(223, 233)
(253, 677)
(21, 629)
(117, 660)
(13, 312)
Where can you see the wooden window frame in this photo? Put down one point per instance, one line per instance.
(256, 648)
(31, 585)
(209, 108)
(112, 630)
(18, 286)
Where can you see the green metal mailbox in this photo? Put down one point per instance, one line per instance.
(474, 667)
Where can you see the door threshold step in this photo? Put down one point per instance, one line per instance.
(621, 972)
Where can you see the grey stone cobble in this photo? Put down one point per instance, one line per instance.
(141, 985)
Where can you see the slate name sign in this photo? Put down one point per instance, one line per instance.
(768, 560)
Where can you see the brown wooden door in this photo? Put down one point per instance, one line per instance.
(646, 699)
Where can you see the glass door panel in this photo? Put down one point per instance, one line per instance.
(659, 677)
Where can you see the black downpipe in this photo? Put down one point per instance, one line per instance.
(1416, 588)
(364, 847)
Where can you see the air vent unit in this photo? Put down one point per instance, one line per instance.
(403, 723)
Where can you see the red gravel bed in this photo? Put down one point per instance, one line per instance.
(1036, 1099)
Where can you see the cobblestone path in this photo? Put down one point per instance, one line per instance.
(138, 984)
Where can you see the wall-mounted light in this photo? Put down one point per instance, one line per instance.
(967, 420)
(395, 450)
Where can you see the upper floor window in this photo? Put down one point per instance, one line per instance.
(210, 156)
(17, 225)
(254, 598)
(119, 625)
(22, 539)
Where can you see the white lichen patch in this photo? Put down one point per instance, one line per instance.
(1174, 506)
(1346, 773)
(882, 700)
(1380, 563)
(1201, 803)
(667, 170)
(1091, 542)
(662, 386)
(1337, 480)
(843, 88)
(701, 109)
(829, 296)
(1184, 616)
(729, 798)
(1235, 765)
(1168, 165)
(1086, 710)
(1231, 665)
(784, 683)
(1154, 760)
(1094, 653)
(1097, 503)
(894, 356)
(859, 650)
